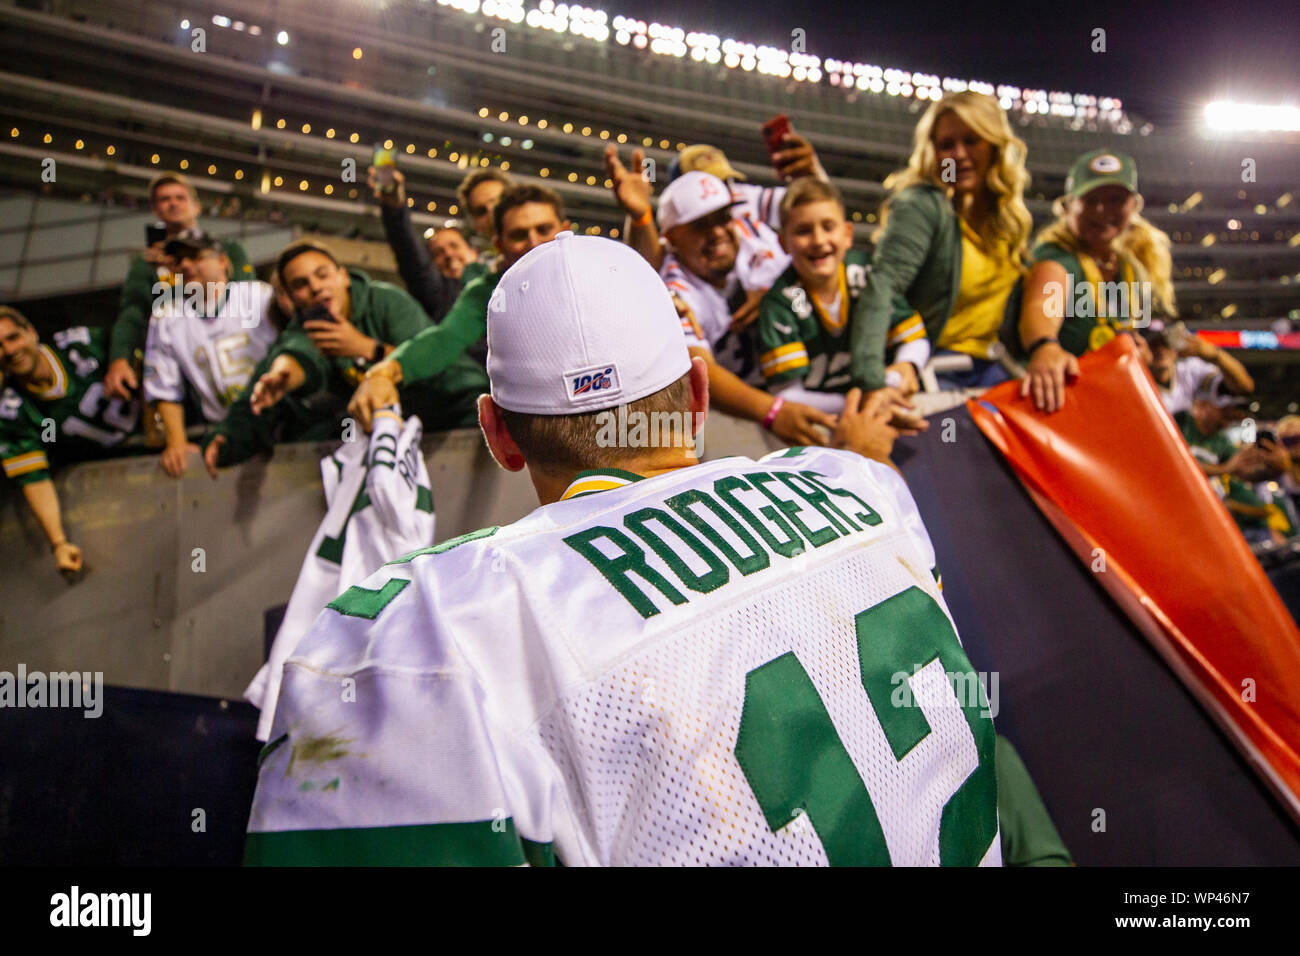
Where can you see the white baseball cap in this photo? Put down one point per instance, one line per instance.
(578, 324)
(690, 196)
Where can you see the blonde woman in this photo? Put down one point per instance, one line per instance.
(1098, 269)
(955, 227)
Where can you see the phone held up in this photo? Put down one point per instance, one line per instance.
(154, 232)
(775, 131)
(385, 164)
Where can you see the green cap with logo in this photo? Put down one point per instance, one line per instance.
(1101, 167)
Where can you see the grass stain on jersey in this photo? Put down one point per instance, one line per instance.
(318, 750)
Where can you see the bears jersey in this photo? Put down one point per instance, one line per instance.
(757, 203)
(800, 337)
(211, 356)
(72, 419)
(710, 306)
(740, 662)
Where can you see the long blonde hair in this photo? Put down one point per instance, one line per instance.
(1146, 243)
(1006, 180)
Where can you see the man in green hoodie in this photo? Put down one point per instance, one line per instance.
(344, 323)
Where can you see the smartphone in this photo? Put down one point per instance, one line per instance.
(321, 312)
(775, 130)
(385, 163)
(154, 232)
(1266, 435)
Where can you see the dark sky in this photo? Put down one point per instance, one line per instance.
(1165, 60)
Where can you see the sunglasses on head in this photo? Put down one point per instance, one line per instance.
(477, 211)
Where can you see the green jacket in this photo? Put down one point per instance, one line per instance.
(919, 257)
(436, 349)
(380, 310)
(131, 326)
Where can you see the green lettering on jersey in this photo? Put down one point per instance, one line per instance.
(911, 628)
(806, 490)
(795, 762)
(357, 601)
(726, 489)
(714, 578)
(868, 516)
(791, 509)
(331, 549)
(757, 559)
(618, 571)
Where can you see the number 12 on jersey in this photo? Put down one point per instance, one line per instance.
(795, 761)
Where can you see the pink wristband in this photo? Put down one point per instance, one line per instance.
(773, 412)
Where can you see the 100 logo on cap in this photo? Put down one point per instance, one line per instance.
(589, 381)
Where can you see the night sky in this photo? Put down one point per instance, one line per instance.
(1164, 60)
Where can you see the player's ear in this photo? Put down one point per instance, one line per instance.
(848, 232)
(499, 442)
(780, 237)
(699, 391)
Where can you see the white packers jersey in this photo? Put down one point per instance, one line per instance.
(379, 506)
(738, 662)
(212, 354)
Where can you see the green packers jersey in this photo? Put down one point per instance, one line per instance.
(799, 337)
(1215, 450)
(70, 420)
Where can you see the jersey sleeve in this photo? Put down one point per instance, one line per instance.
(22, 454)
(907, 340)
(163, 381)
(133, 310)
(677, 287)
(782, 354)
(381, 751)
(900, 254)
(435, 349)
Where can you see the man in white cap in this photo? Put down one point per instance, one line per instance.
(668, 662)
(713, 261)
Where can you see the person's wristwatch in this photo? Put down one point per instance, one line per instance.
(1036, 344)
(378, 355)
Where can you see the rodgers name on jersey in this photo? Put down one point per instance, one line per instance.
(699, 667)
(72, 419)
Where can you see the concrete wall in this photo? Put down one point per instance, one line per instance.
(144, 617)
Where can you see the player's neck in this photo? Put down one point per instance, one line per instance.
(824, 288)
(550, 486)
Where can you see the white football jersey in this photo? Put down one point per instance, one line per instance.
(757, 203)
(213, 354)
(379, 506)
(735, 351)
(738, 662)
(1189, 374)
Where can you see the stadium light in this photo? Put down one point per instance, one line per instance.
(282, 38)
(1226, 115)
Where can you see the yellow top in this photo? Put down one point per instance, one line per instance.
(986, 281)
